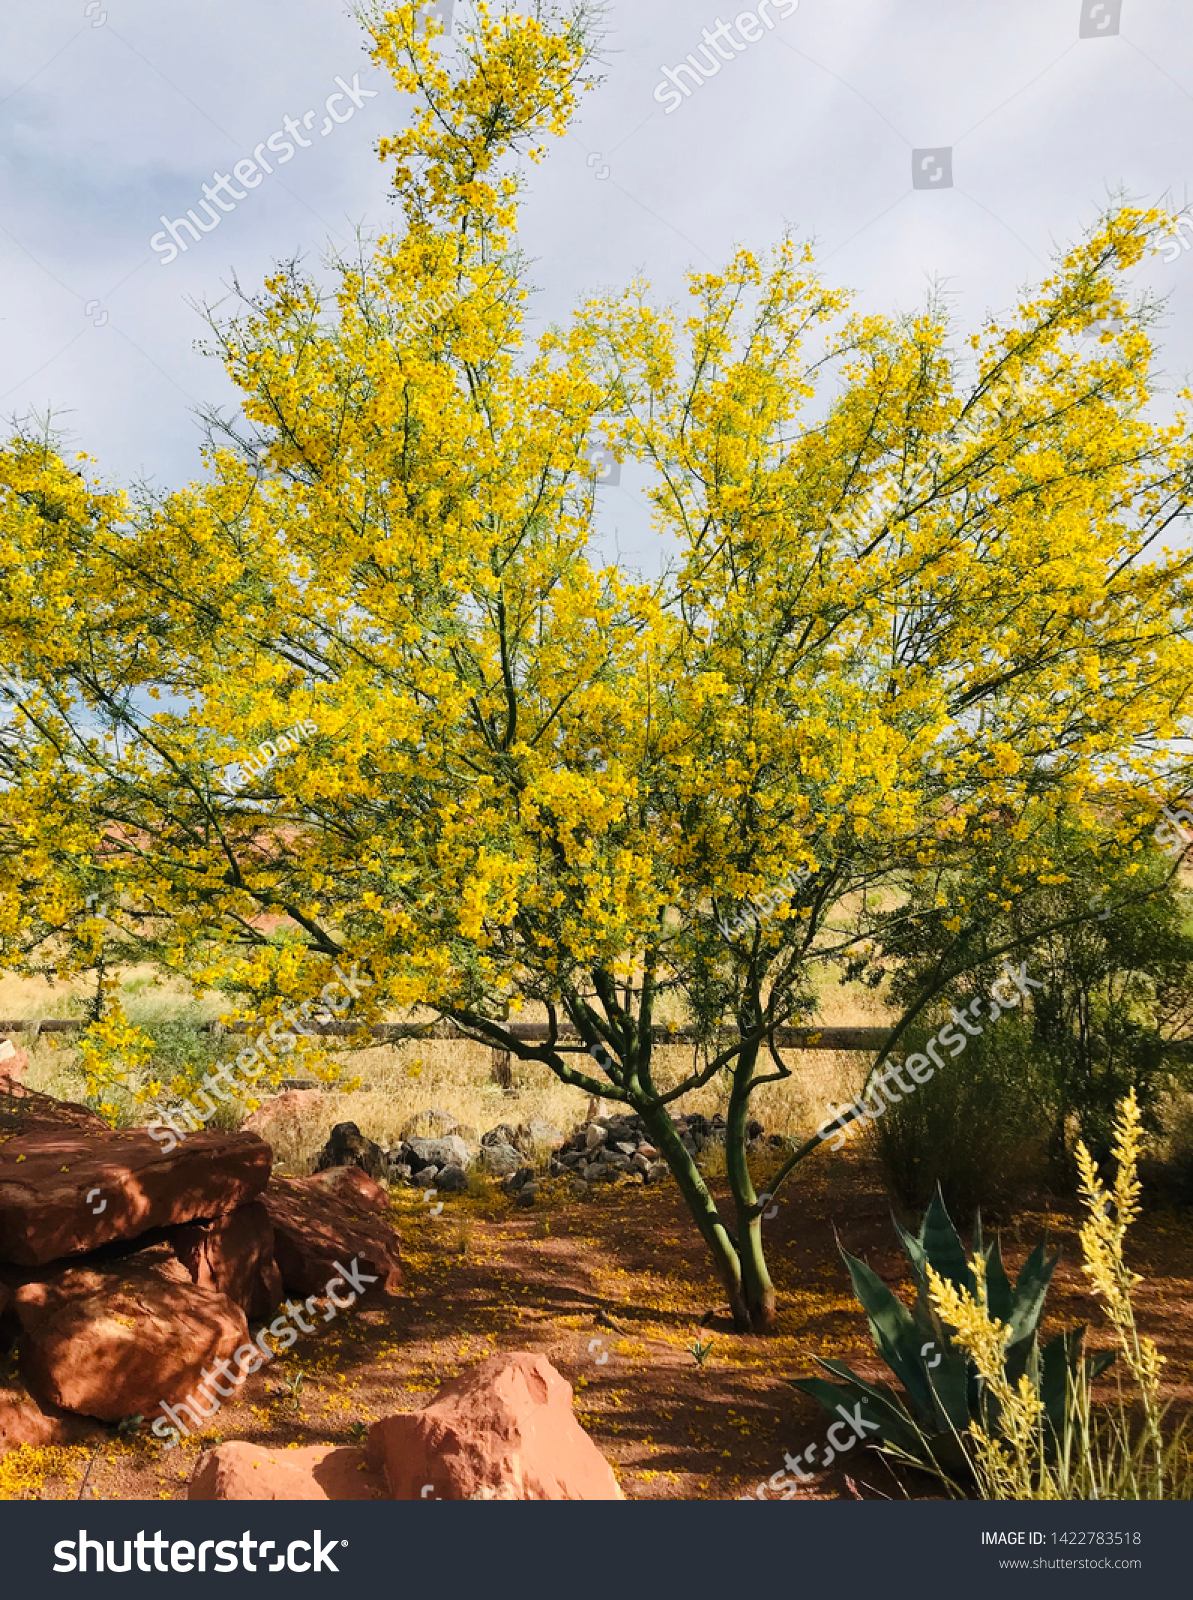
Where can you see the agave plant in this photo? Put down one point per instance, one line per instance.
(943, 1393)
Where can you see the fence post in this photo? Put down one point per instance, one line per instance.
(502, 1072)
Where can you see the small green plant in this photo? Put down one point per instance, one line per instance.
(945, 1391)
(122, 1430)
(358, 1432)
(294, 1390)
(700, 1350)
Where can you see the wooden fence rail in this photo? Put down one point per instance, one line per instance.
(864, 1040)
(531, 1032)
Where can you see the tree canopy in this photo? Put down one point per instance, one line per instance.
(922, 590)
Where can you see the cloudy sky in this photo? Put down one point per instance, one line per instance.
(1017, 120)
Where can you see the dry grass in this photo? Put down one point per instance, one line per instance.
(454, 1076)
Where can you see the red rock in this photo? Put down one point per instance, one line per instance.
(282, 1109)
(233, 1254)
(23, 1110)
(503, 1431)
(238, 1471)
(64, 1192)
(353, 1186)
(316, 1234)
(14, 1063)
(22, 1421)
(116, 1338)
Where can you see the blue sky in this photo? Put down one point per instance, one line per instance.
(115, 112)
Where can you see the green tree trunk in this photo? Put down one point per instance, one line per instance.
(703, 1209)
(757, 1289)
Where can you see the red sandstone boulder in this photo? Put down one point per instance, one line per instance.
(238, 1471)
(503, 1431)
(233, 1254)
(114, 1339)
(22, 1421)
(64, 1192)
(353, 1186)
(23, 1110)
(284, 1112)
(316, 1234)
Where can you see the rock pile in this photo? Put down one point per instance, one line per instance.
(125, 1270)
(603, 1150)
(442, 1161)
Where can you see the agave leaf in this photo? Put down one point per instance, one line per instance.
(1096, 1364)
(894, 1332)
(942, 1245)
(999, 1300)
(1057, 1361)
(1031, 1290)
(928, 1324)
(896, 1425)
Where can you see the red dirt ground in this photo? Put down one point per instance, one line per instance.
(613, 1290)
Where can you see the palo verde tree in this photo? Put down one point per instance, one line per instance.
(914, 597)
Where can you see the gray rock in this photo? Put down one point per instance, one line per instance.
(429, 1124)
(626, 1149)
(595, 1136)
(451, 1151)
(657, 1172)
(578, 1189)
(427, 1177)
(640, 1163)
(501, 1134)
(538, 1135)
(400, 1172)
(614, 1159)
(452, 1180)
(527, 1194)
(500, 1159)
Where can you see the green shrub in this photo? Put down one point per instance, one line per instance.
(977, 1128)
